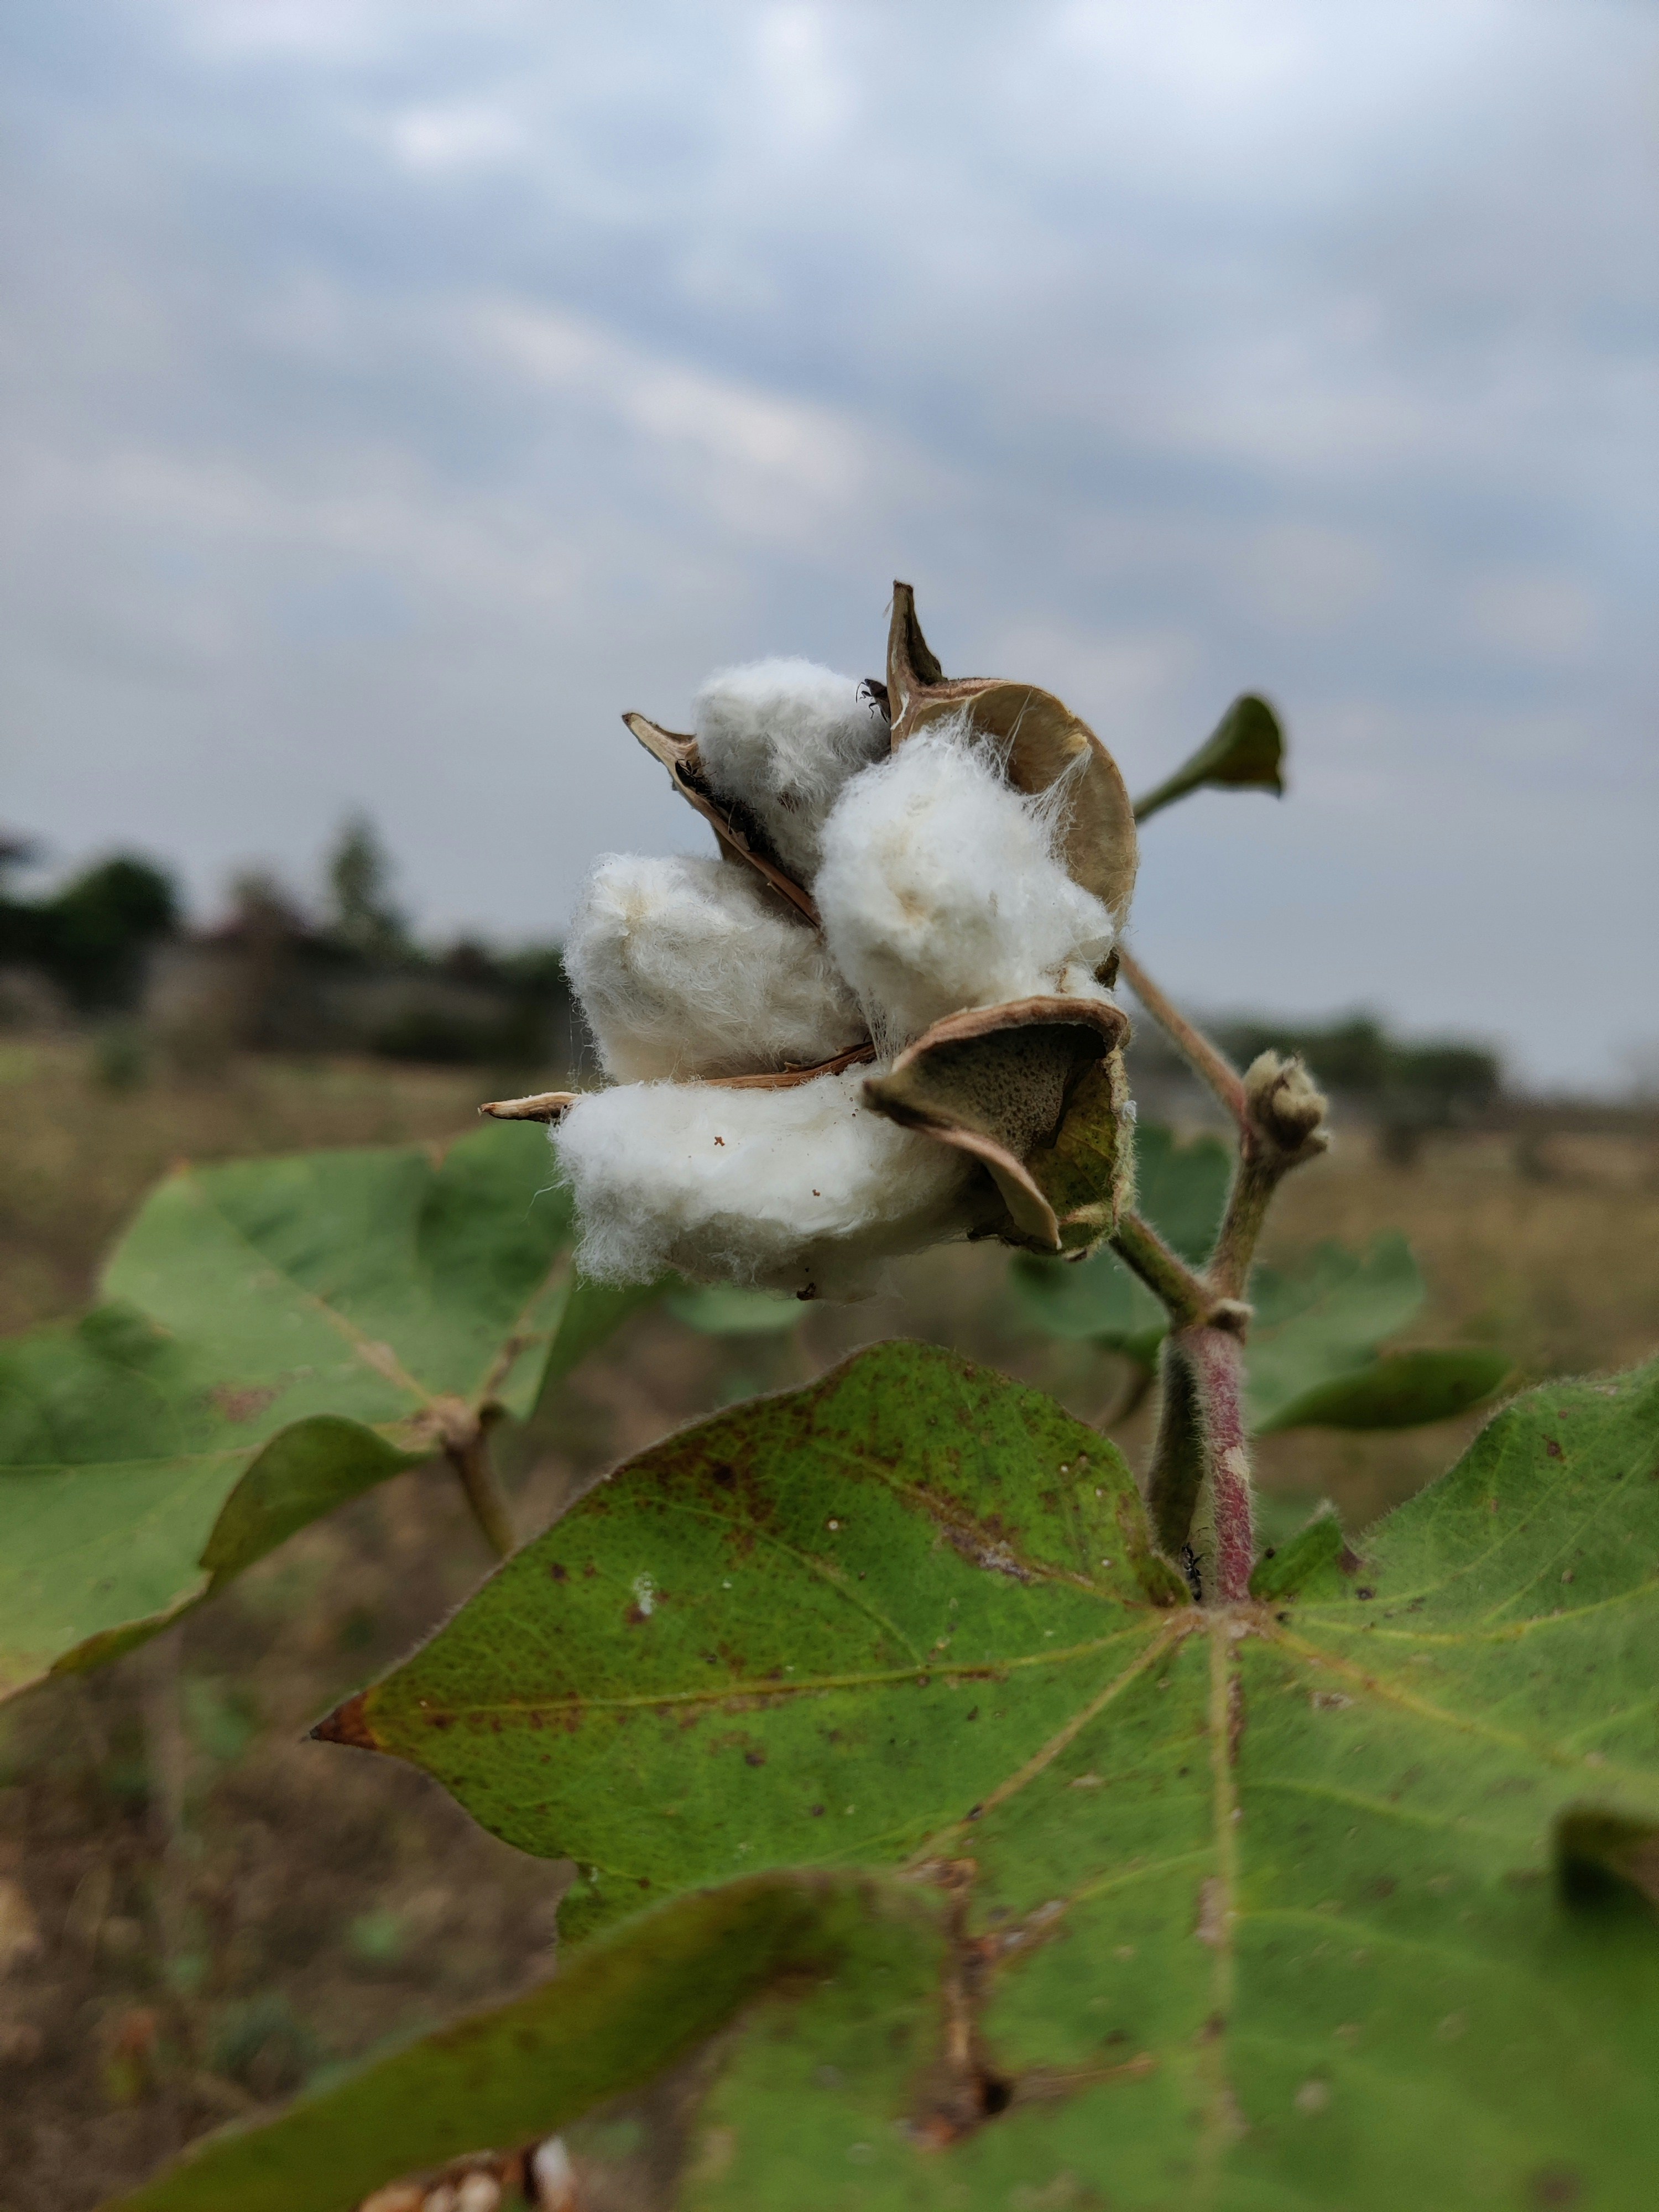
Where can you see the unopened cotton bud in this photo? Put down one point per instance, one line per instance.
(782, 738)
(693, 967)
(940, 889)
(800, 1190)
(1286, 1104)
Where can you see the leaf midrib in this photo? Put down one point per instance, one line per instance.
(499, 1363)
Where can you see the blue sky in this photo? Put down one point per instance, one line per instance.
(394, 392)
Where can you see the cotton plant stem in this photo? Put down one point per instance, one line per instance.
(1198, 1488)
(475, 1469)
(1185, 1295)
(1225, 1534)
(1256, 1176)
(1195, 1047)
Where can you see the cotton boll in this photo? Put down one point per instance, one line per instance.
(940, 889)
(693, 967)
(795, 1190)
(783, 737)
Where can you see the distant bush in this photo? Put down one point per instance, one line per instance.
(1430, 1085)
(92, 937)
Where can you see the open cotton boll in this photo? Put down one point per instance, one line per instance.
(940, 889)
(693, 967)
(782, 736)
(795, 1190)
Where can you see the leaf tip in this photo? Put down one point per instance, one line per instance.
(349, 1724)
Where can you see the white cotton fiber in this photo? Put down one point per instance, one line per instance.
(693, 967)
(783, 737)
(795, 1190)
(939, 888)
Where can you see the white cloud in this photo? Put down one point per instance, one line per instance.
(298, 30)
(1532, 616)
(456, 135)
(769, 464)
(1308, 577)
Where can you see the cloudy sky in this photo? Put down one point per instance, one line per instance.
(395, 390)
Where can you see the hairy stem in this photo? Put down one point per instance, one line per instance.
(1206, 1060)
(1198, 1487)
(1255, 1178)
(1198, 1491)
(1185, 1295)
(1222, 1535)
(475, 1471)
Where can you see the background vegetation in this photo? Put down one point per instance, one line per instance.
(210, 1911)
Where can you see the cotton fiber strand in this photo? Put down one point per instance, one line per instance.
(793, 1190)
(940, 888)
(693, 967)
(783, 737)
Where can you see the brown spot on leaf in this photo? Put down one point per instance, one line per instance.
(245, 1405)
(349, 1724)
(1555, 2185)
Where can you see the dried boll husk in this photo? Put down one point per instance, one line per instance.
(1042, 742)
(742, 839)
(1035, 1091)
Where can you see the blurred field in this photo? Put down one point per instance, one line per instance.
(199, 1910)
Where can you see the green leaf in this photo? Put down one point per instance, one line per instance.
(724, 1309)
(1309, 1566)
(363, 1284)
(1180, 1188)
(1244, 751)
(1403, 1391)
(1262, 1907)
(1324, 1318)
(849, 1561)
(590, 1313)
(1312, 1353)
(281, 1334)
(644, 1998)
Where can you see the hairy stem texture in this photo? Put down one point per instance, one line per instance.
(475, 1471)
(1200, 1489)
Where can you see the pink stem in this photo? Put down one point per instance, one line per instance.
(1223, 1530)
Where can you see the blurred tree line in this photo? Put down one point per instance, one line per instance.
(90, 939)
(1406, 1089)
(273, 975)
(353, 976)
